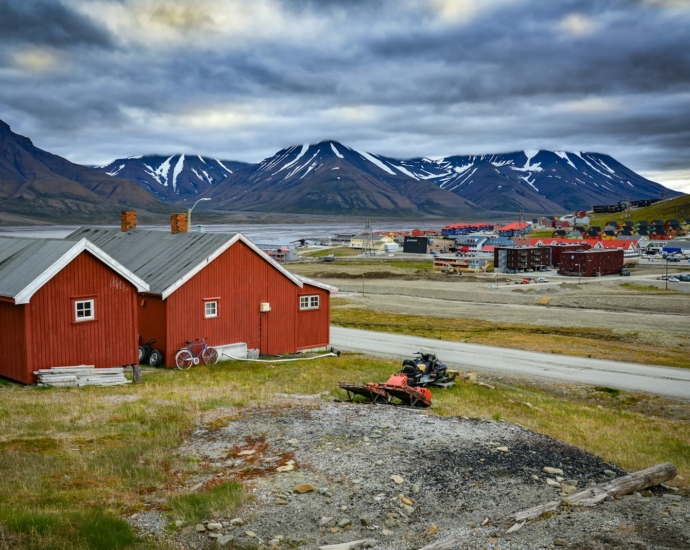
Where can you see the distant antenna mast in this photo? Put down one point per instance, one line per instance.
(368, 239)
(521, 216)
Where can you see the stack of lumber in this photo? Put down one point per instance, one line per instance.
(81, 375)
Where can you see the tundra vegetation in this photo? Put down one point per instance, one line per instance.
(75, 462)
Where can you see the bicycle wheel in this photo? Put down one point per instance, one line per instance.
(184, 359)
(210, 356)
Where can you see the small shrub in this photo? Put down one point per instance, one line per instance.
(613, 392)
(496, 416)
(102, 531)
(199, 506)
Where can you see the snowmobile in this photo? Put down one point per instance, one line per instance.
(406, 387)
(427, 370)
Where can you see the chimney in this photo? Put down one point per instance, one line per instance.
(178, 223)
(128, 220)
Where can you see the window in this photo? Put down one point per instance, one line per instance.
(84, 310)
(309, 302)
(211, 309)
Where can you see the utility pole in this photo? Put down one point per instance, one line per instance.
(189, 213)
(368, 239)
(667, 272)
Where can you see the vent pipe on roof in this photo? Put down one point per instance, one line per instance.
(128, 220)
(179, 223)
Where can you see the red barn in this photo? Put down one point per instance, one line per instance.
(64, 303)
(217, 286)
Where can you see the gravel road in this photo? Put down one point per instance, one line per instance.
(669, 382)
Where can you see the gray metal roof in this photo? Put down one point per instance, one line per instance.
(22, 261)
(157, 257)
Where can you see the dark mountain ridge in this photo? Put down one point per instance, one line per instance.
(331, 178)
(39, 184)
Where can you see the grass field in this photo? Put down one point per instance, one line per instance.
(678, 208)
(73, 462)
(582, 342)
(341, 251)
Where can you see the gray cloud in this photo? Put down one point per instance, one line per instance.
(47, 22)
(94, 80)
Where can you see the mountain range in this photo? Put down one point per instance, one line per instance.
(323, 178)
(329, 177)
(170, 178)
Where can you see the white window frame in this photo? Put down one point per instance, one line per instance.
(91, 308)
(310, 302)
(214, 314)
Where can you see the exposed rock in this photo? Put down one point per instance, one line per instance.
(303, 488)
(397, 479)
(553, 471)
(225, 540)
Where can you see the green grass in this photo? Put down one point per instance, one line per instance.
(74, 462)
(539, 234)
(678, 208)
(93, 530)
(197, 506)
(341, 251)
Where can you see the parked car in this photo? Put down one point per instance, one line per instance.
(685, 278)
(542, 280)
(525, 281)
(624, 273)
(673, 279)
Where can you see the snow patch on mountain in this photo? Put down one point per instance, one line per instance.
(337, 153)
(530, 154)
(565, 157)
(405, 171)
(376, 162)
(161, 173)
(177, 171)
(305, 148)
(222, 166)
(116, 171)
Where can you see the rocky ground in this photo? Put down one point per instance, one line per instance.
(321, 474)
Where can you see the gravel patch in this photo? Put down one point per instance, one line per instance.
(401, 479)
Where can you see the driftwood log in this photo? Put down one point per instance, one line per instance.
(346, 545)
(615, 488)
(589, 497)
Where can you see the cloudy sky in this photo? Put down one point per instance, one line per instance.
(95, 80)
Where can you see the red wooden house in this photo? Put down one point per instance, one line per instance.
(217, 286)
(64, 303)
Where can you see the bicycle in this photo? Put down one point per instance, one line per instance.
(186, 357)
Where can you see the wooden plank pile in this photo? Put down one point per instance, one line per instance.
(81, 375)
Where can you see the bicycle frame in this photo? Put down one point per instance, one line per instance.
(201, 346)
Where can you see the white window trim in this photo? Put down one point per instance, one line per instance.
(92, 307)
(309, 300)
(206, 304)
